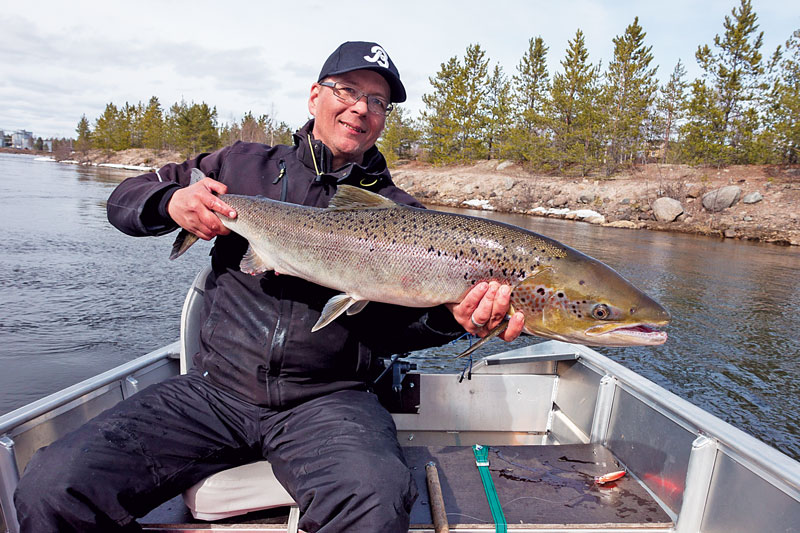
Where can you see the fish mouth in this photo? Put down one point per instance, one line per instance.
(642, 334)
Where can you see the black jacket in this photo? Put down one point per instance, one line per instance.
(256, 339)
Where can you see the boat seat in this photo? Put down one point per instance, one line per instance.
(236, 491)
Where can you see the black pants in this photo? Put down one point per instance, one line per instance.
(337, 455)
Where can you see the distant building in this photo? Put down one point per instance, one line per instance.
(22, 139)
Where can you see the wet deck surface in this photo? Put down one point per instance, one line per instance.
(536, 485)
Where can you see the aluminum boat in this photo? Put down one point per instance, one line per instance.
(553, 420)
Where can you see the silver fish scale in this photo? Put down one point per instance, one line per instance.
(399, 255)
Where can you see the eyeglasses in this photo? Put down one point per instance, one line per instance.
(349, 95)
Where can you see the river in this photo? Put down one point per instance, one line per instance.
(79, 297)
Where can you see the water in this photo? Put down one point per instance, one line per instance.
(79, 297)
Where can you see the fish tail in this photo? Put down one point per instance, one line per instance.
(185, 240)
(182, 243)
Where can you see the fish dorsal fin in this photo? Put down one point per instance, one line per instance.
(349, 197)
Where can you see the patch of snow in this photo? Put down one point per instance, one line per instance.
(482, 204)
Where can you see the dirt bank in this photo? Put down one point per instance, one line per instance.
(623, 201)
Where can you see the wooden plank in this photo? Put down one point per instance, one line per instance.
(538, 486)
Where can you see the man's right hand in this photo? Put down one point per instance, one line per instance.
(193, 207)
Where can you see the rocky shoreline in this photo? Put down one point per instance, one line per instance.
(759, 203)
(742, 202)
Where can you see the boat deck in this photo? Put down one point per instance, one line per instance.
(539, 487)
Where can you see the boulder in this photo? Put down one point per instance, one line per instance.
(694, 191)
(720, 199)
(627, 224)
(752, 198)
(667, 209)
(587, 198)
(560, 200)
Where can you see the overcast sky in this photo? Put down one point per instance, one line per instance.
(60, 60)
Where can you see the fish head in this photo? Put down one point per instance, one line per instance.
(584, 301)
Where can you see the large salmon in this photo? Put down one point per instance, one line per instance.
(373, 249)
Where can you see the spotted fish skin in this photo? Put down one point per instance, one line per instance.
(373, 249)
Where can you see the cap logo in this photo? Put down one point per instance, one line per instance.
(379, 56)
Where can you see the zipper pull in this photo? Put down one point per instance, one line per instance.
(282, 168)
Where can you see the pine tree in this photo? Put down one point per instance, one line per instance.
(456, 115)
(110, 132)
(784, 112)
(627, 95)
(575, 121)
(152, 125)
(192, 128)
(399, 136)
(84, 141)
(440, 119)
(499, 108)
(531, 85)
(703, 137)
(734, 71)
(670, 109)
(474, 106)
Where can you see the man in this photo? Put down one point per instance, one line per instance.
(263, 385)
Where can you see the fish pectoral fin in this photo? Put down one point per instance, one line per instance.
(252, 263)
(349, 197)
(335, 307)
(498, 329)
(357, 307)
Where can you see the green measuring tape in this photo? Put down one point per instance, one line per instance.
(482, 460)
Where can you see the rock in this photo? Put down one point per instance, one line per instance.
(694, 191)
(752, 198)
(507, 182)
(599, 219)
(667, 209)
(560, 201)
(587, 198)
(627, 224)
(747, 218)
(723, 198)
(504, 165)
(625, 201)
(729, 233)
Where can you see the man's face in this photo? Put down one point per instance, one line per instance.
(348, 130)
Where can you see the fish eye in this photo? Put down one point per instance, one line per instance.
(601, 312)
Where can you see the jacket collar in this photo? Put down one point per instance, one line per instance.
(318, 157)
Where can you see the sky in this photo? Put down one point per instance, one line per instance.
(60, 60)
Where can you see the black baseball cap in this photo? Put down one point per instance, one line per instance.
(358, 55)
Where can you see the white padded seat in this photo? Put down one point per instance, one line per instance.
(236, 491)
(239, 490)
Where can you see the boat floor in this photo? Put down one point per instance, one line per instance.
(539, 487)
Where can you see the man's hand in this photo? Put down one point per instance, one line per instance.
(193, 208)
(484, 307)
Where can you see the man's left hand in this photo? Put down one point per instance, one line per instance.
(484, 307)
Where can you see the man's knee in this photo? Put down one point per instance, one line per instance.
(46, 493)
(367, 493)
